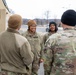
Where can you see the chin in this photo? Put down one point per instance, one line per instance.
(33, 31)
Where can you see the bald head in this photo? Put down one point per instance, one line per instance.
(15, 21)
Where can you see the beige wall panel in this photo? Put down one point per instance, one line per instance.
(2, 20)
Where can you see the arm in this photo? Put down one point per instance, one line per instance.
(43, 44)
(47, 57)
(26, 53)
(48, 51)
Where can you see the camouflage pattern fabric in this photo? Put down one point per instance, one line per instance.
(36, 47)
(46, 36)
(60, 53)
(4, 72)
(33, 73)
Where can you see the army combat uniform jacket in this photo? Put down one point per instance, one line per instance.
(36, 47)
(15, 53)
(60, 53)
(46, 36)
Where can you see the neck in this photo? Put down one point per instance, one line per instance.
(52, 32)
(67, 27)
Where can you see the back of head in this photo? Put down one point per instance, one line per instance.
(31, 22)
(15, 21)
(69, 17)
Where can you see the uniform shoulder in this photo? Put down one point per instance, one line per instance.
(52, 39)
(55, 35)
(20, 39)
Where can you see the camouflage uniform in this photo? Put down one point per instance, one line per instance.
(36, 46)
(4, 72)
(46, 36)
(60, 53)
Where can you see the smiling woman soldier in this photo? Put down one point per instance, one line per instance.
(35, 41)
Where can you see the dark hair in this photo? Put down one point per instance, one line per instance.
(56, 28)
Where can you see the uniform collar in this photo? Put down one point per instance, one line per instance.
(12, 30)
(34, 35)
(72, 28)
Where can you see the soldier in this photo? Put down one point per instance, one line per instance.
(15, 51)
(60, 48)
(52, 29)
(35, 41)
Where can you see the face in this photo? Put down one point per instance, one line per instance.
(33, 28)
(52, 27)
